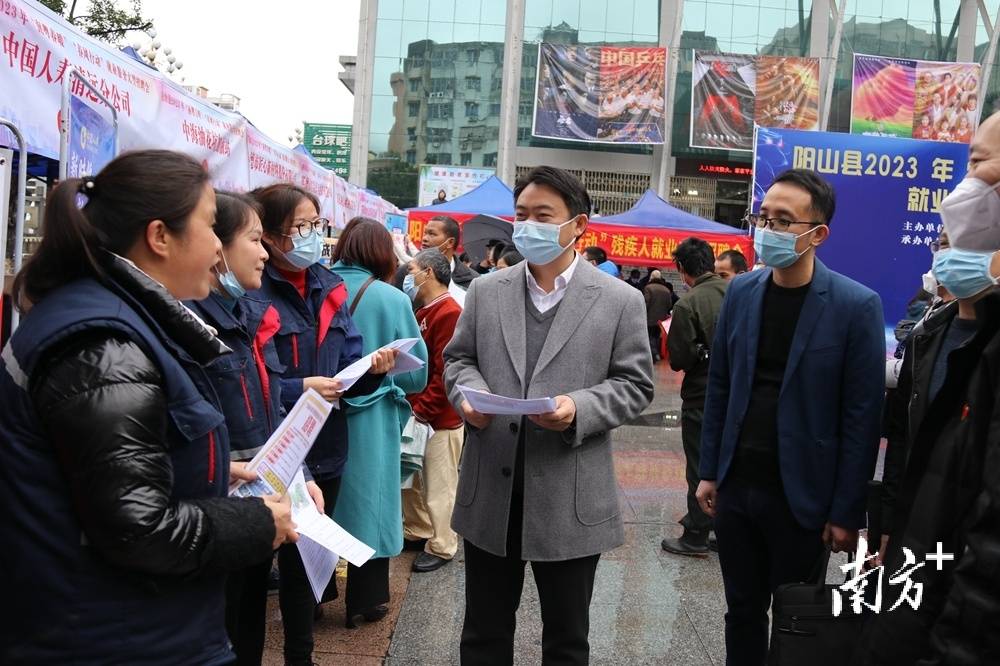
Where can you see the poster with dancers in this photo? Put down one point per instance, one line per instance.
(919, 99)
(600, 94)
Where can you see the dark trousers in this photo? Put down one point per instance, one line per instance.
(246, 606)
(654, 339)
(367, 586)
(696, 522)
(761, 546)
(493, 587)
(295, 594)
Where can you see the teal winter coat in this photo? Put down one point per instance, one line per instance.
(369, 505)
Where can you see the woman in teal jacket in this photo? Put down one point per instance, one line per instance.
(368, 505)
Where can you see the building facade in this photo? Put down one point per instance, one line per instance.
(453, 82)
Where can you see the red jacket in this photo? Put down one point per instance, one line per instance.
(437, 322)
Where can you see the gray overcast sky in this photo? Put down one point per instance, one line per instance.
(280, 58)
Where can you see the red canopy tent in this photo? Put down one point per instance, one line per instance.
(492, 199)
(648, 233)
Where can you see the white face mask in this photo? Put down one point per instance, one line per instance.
(971, 216)
(930, 283)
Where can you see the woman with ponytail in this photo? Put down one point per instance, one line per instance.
(114, 455)
(316, 340)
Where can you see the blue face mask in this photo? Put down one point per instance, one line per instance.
(539, 242)
(411, 288)
(964, 273)
(305, 251)
(777, 248)
(230, 283)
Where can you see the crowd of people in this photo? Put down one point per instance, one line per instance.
(169, 327)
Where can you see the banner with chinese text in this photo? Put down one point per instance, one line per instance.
(603, 94)
(732, 92)
(454, 180)
(39, 48)
(881, 241)
(921, 99)
(642, 246)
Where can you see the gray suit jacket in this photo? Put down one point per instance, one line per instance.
(597, 352)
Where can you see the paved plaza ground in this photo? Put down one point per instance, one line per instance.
(649, 607)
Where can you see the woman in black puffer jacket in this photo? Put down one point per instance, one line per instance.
(114, 456)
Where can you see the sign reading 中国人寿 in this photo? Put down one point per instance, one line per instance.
(889, 192)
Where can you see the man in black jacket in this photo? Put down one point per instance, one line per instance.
(942, 470)
(444, 233)
(692, 330)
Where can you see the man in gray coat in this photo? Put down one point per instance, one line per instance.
(542, 488)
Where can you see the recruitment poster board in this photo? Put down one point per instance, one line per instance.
(454, 180)
(882, 241)
(920, 99)
(730, 93)
(600, 94)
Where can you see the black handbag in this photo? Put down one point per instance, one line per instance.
(803, 628)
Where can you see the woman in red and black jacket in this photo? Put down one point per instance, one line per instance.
(247, 382)
(316, 340)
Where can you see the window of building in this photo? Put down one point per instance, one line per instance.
(490, 159)
(439, 111)
(438, 158)
(472, 109)
(414, 85)
(411, 133)
(472, 55)
(466, 159)
(414, 109)
(438, 134)
(442, 84)
(495, 109)
(473, 83)
(527, 107)
(411, 157)
(523, 133)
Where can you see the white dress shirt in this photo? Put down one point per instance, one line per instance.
(543, 300)
(456, 291)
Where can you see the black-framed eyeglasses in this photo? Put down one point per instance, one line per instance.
(306, 228)
(774, 223)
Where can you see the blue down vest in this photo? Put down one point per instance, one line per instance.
(69, 604)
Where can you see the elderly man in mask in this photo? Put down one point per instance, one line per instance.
(942, 470)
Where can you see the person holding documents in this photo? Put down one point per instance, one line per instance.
(541, 487)
(369, 503)
(114, 458)
(247, 382)
(316, 340)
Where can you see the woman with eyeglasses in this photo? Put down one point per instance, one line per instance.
(316, 340)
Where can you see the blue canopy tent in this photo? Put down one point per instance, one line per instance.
(647, 233)
(493, 197)
(652, 212)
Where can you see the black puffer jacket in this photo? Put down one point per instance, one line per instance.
(943, 485)
(113, 475)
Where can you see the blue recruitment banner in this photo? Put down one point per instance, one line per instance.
(91, 139)
(888, 195)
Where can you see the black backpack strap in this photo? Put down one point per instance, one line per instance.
(361, 292)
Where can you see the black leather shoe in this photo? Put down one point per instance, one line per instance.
(426, 562)
(371, 615)
(414, 545)
(683, 546)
